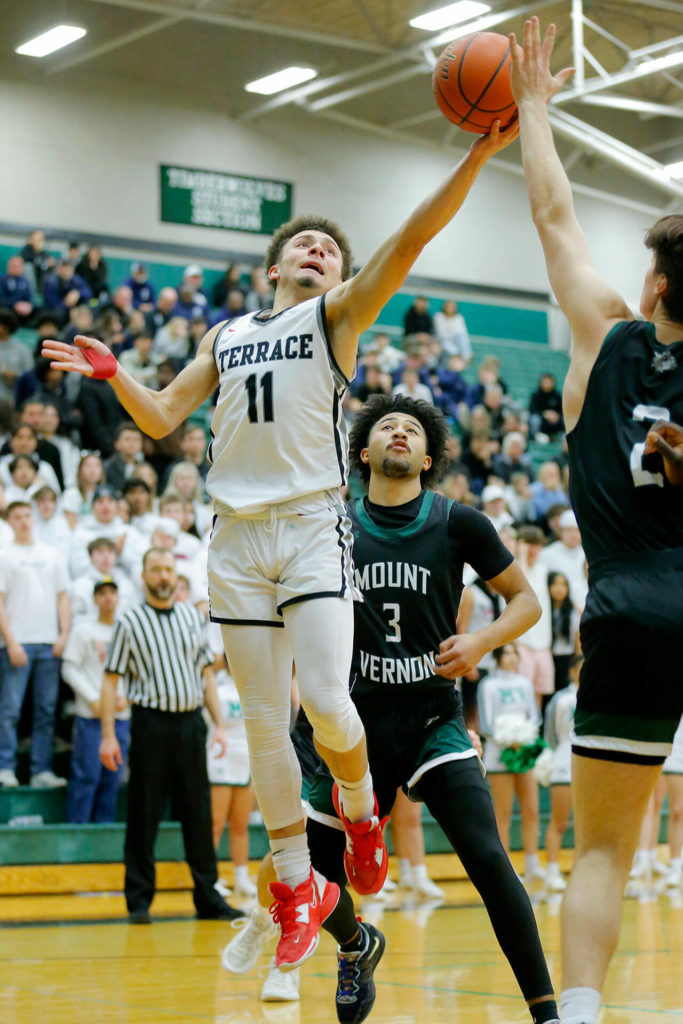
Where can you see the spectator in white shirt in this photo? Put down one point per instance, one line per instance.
(106, 522)
(77, 500)
(566, 555)
(34, 627)
(412, 387)
(93, 789)
(50, 526)
(451, 330)
(102, 565)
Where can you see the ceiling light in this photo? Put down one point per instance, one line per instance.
(48, 42)
(670, 171)
(451, 15)
(649, 67)
(281, 80)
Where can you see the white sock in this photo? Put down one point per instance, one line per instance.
(579, 1006)
(675, 864)
(553, 869)
(420, 873)
(405, 871)
(241, 873)
(530, 863)
(291, 859)
(357, 798)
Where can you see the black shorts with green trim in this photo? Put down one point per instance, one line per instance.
(630, 698)
(407, 735)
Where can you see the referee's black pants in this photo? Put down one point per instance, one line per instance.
(168, 757)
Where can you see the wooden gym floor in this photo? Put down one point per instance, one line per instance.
(68, 958)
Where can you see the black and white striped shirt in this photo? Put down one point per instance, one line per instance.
(160, 654)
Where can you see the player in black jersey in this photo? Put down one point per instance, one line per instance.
(624, 375)
(410, 545)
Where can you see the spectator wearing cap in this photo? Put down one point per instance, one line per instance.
(15, 358)
(15, 291)
(34, 628)
(93, 790)
(65, 289)
(566, 555)
(105, 522)
(144, 295)
(50, 526)
(102, 555)
(535, 646)
(192, 300)
(92, 267)
(493, 505)
(121, 466)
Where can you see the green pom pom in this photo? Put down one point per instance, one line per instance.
(522, 759)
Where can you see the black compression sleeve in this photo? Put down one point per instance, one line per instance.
(457, 797)
(327, 856)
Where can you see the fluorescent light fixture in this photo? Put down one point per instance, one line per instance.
(281, 80)
(650, 67)
(48, 42)
(443, 17)
(670, 171)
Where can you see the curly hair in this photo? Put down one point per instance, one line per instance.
(665, 240)
(433, 422)
(309, 222)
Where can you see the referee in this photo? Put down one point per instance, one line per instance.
(158, 649)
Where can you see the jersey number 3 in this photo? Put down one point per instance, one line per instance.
(266, 385)
(642, 477)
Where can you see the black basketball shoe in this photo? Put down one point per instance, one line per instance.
(355, 985)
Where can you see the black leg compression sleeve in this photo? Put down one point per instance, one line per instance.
(458, 799)
(327, 856)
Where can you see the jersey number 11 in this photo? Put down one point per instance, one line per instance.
(266, 385)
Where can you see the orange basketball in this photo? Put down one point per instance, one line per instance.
(472, 82)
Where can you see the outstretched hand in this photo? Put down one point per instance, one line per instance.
(530, 76)
(667, 439)
(496, 139)
(88, 356)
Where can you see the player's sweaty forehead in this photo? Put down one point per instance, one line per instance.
(400, 420)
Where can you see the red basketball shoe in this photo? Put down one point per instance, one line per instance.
(300, 912)
(365, 859)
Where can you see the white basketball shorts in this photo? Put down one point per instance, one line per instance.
(262, 563)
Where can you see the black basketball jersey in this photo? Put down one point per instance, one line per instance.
(622, 501)
(408, 567)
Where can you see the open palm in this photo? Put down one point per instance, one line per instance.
(71, 357)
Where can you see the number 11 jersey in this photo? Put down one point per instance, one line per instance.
(278, 431)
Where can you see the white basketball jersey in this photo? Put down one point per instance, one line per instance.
(278, 431)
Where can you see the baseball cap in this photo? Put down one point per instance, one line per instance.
(106, 581)
(169, 526)
(138, 268)
(194, 270)
(105, 492)
(492, 492)
(567, 520)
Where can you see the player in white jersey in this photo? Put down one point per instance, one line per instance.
(280, 550)
(558, 732)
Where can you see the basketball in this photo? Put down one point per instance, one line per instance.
(472, 82)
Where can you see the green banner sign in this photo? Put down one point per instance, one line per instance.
(211, 199)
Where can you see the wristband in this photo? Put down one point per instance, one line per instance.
(104, 365)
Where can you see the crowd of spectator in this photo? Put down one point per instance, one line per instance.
(83, 493)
